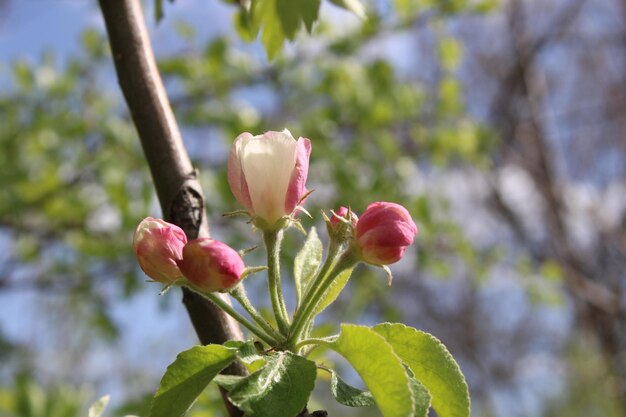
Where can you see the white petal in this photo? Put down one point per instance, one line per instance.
(267, 163)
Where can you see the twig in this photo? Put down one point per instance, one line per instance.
(175, 181)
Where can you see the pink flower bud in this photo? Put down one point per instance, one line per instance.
(342, 212)
(211, 265)
(158, 245)
(267, 173)
(383, 232)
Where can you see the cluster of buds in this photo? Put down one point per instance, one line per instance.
(379, 237)
(165, 256)
(267, 175)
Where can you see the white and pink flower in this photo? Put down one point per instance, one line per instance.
(267, 173)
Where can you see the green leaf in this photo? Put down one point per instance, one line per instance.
(265, 17)
(187, 377)
(288, 11)
(242, 22)
(379, 367)
(280, 389)
(486, 6)
(310, 10)
(450, 101)
(421, 396)
(348, 395)
(449, 53)
(98, 407)
(432, 365)
(355, 6)
(293, 13)
(228, 382)
(307, 263)
(158, 10)
(333, 291)
(247, 353)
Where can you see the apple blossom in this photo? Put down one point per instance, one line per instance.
(341, 213)
(383, 232)
(211, 265)
(267, 173)
(158, 245)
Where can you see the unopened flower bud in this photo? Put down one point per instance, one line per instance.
(341, 213)
(158, 245)
(383, 232)
(211, 265)
(339, 228)
(267, 173)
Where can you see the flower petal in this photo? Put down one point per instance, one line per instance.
(267, 163)
(297, 182)
(236, 177)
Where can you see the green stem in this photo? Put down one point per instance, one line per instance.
(218, 301)
(316, 342)
(239, 294)
(273, 240)
(333, 252)
(303, 316)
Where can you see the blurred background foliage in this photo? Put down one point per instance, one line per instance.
(500, 125)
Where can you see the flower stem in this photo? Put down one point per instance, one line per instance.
(333, 252)
(327, 342)
(304, 315)
(221, 303)
(239, 294)
(273, 240)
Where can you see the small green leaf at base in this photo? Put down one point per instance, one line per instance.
(379, 367)
(246, 350)
(307, 262)
(348, 395)
(432, 365)
(247, 353)
(421, 397)
(280, 389)
(98, 407)
(333, 291)
(228, 382)
(187, 377)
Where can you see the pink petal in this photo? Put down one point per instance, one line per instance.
(297, 182)
(236, 177)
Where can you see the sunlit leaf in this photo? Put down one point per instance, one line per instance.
(280, 389)
(348, 395)
(379, 367)
(432, 365)
(187, 377)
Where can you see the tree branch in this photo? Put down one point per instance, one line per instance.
(177, 187)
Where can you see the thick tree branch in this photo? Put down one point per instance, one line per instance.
(174, 178)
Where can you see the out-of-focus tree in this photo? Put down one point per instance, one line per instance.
(559, 115)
